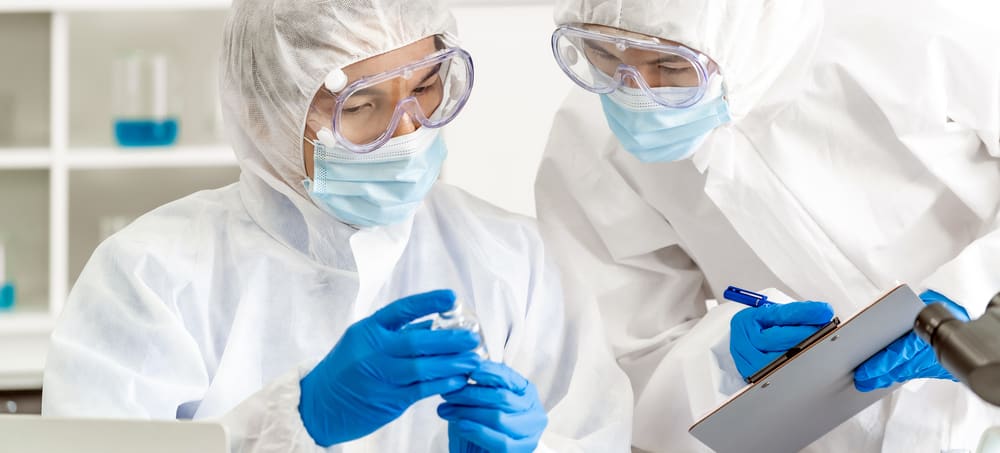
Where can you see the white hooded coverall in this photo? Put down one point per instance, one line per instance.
(216, 305)
(863, 151)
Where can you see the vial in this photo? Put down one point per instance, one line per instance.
(461, 318)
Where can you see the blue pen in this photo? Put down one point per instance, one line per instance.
(745, 297)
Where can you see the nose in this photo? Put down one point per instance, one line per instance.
(406, 126)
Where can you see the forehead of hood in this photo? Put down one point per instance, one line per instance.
(276, 54)
(759, 44)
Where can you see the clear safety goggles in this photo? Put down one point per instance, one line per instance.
(366, 114)
(601, 62)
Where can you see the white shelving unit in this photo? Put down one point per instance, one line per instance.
(25, 159)
(63, 181)
(179, 157)
(61, 6)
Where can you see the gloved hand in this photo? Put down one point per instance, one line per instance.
(909, 357)
(378, 369)
(500, 413)
(760, 335)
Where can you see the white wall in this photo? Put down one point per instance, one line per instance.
(495, 145)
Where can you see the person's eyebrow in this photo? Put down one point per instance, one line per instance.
(668, 59)
(596, 47)
(655, 61)
(374, 91)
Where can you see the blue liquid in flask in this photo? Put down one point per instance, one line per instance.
(7, 296)
(146, 132)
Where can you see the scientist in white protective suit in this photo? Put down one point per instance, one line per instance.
(221, 304)
(774, 145)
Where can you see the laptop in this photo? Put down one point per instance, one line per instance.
(34, 434)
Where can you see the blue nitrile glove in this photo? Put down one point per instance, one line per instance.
(907, 358)
(378, 369)
(500, 413)
(760, 335)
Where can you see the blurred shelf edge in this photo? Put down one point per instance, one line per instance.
(172, 157)
(120, 158)
(36, 6)
(41, 6)
(21, 379)
(28, 322)
(25, 158)
(24, 341)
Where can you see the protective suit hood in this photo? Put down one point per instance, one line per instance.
(276, 54)
(762, 47)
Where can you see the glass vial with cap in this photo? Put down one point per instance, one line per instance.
(460, 317)
(143, 103)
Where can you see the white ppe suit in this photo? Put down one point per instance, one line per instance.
(216, 305)
(863, 151)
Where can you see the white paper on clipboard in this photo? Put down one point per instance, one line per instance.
(813, 392)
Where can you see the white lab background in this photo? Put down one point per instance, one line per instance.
(65, 185)
(496, 144)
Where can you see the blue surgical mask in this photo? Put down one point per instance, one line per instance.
(383, 187)
(653, 133)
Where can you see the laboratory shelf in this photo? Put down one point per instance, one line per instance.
(109, 5)
(24, 233)
(25, 44)
(19, 6)
(25, 158)
(98, 40)
(60, 169)
(172, 157)
(24, 340)
(21, 322)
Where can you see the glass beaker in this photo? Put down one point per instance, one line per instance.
(143, 104)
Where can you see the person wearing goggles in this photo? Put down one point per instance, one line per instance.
(373, 145)
(299, 305)
(660, 98)
(819, 154)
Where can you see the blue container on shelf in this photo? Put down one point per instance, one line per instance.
(133, 133)
(143, 106)
(7, 294)
(8, 297)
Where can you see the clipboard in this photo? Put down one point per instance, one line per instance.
(813, 392)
